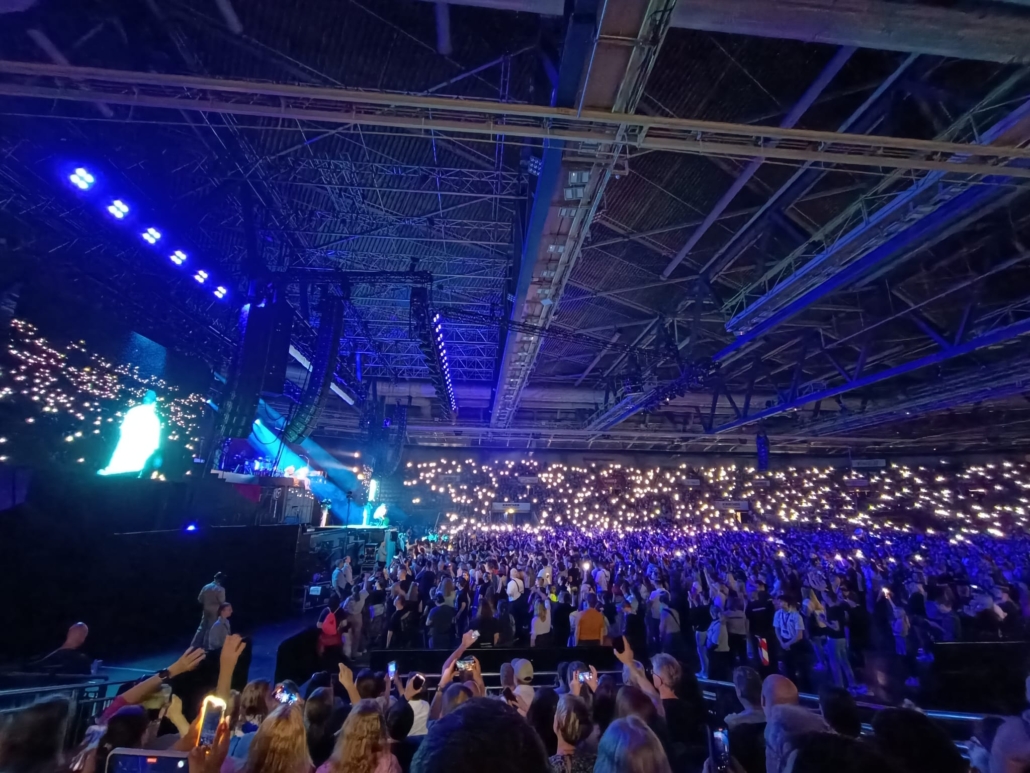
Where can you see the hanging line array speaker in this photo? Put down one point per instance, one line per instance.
(323, 366)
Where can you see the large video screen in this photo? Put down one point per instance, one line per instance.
(111, 407)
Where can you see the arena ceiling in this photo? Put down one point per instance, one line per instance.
(650, 224)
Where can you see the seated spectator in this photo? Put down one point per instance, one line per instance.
(603, 709)
(778, 691)
(362, 745)
(32, 739)
(279, 745)
(541, 716)
(984, 733)
(681, 699)
(832, 753)
(523, 681)
(128, 728)
(916, 742)
(256, 703)
(69, 657)
(785, 727)
(747, 683)
(453, 696)
(746, 729)
(1010, 752)
(840, 711)
(630, 746)
(484, 734)
(399, 721)
(322, 719)
(572, 729)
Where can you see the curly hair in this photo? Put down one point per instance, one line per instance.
(362, 740)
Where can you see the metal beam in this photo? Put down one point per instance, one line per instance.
(569, 191)
(989, 34)
(479, 118)
(993, 338)
(802, 181)
(811, 94)
(858, 243)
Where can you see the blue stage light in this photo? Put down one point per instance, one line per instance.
(220, 292)
(151, 235)
(82, 179)
(200, 276)
(178, 257)
(118, 208)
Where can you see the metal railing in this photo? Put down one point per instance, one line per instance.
(86, 701)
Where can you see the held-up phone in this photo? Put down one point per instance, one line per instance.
(146, 761)
(475, 635)
(465, 664)
(285, 696)
(619, 643)
(418, 681)
(583, 676)
(211, 713)
(719, 749)
(391, 669)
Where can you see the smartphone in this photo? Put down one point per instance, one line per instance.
(583, 676)
(146, 761)
(211, 712)
(285, 696)
(465, 664)
(391, 669)
(475, 635)
(418, 681)
(719, 749)
(619, 643)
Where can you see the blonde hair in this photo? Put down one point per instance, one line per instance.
(362, 740)
(572, 719)
(280, 744)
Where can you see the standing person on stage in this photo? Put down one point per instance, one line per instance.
(211, 598)
(218, 632)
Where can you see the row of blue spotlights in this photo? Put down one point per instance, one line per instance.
(442, 348)
(84, 180)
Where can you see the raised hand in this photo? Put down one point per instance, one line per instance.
(232, 649)
(190, 659)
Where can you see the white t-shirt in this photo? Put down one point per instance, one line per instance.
(421, 710)
(601, 577)
(540, 627)
(515, 589)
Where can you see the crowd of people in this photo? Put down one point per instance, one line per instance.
(651, 718)
(783, 597)
(818, 605)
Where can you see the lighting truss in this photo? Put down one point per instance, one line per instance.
(429, 331)
(451, 116)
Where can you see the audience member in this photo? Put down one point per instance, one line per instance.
(69, 657)
(840, 711)
(32, 739)
(362, 745)
(630, 746)
(541, 716)
(279, 745)
(916, 742)
(572, 728)
(785, 726)
(482, 734)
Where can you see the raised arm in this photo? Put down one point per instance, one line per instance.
(190, 659)
(231, 651)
